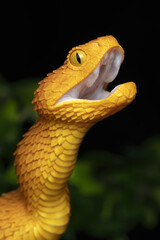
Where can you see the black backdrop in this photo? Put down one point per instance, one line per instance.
(35, 38)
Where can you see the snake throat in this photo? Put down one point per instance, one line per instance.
(94, 86)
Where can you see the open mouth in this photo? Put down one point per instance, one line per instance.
(94, 87)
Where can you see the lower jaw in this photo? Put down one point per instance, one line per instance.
(100, 94)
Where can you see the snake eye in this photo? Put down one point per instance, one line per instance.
(77, 58)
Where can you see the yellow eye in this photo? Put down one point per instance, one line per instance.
(77, 58)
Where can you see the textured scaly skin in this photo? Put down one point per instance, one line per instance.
(46, 156)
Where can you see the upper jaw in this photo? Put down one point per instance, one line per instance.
(93, 87)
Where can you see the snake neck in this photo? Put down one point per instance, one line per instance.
(44, 161)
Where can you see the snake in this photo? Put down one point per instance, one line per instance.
(69, 101)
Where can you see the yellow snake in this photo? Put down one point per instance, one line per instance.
(69, 101)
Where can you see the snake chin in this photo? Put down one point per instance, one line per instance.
(95, 85)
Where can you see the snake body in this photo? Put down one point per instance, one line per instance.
(69, 101)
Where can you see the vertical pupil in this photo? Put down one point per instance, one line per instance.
(78, 58)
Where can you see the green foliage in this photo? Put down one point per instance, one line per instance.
(127, 191)
(110, 193)
(15, 111)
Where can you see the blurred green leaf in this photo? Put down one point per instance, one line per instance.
(130, 190)
(16, 110)
(156, 195)
(150, 218)
(24, 90)
(24, 93)
(9, 111)
(83, 179)
(10, 175)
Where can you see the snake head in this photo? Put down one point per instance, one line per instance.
(77, 91)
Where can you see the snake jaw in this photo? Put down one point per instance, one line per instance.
(94, 86)
(78, 90)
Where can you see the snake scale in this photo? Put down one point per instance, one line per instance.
(69, 101)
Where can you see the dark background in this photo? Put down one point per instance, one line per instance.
(36, 37)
